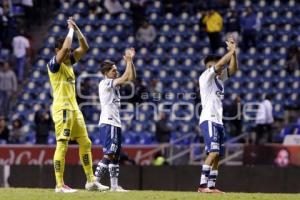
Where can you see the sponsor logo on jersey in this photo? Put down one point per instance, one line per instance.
(71, 80)
(220, 94)
(116, 101)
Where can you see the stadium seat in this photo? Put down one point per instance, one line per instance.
(175, 59)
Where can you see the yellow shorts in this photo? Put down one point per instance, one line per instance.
(69, 124)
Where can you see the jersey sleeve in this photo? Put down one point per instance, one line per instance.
(108, 84)
(53, 65)
(208, 74)
(225, 74)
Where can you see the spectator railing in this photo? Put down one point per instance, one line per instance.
(232, 155)
(177, 153)
(167, 149)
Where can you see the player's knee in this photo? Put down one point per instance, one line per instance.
(62, 146)
(85, 142)
(88, 143)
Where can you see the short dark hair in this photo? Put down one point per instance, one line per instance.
(211, 57)
(269, 97)
(59, 42)
(106, 66)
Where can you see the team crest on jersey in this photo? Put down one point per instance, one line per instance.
(67, 132)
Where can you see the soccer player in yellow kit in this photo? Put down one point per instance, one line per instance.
(68, 119)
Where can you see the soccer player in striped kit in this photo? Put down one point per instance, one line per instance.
(110, 122)
(212, 91)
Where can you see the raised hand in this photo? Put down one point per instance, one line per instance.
(231, 45)
(129, 54)
(71, 23)
(230, 39)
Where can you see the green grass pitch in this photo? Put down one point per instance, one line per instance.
(48, 194)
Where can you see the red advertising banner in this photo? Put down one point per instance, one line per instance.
(277, 155)
(43, 154)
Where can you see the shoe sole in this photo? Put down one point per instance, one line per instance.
(118, 191)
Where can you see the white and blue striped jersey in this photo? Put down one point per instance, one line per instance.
(109, 96)
(212, 93)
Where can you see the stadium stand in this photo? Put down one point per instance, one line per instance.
(175, 61)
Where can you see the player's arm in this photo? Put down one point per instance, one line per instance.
(66, 45)
(227, 57)
(233, 64)
(83, 45)
(130, 73)
(129, 62)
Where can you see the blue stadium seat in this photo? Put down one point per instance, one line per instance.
(146, 138)
(175, 59)
(130, 138)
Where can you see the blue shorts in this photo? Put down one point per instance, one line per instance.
(213, 137)
(110, 137)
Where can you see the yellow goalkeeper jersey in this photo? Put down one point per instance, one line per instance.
(62, 80)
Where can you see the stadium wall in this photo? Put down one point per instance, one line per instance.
(176, 178)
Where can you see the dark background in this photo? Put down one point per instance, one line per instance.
(176, 178)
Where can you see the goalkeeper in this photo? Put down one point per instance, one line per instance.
(68, 119)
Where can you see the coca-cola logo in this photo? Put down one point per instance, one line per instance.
(43, 155)
(25, 157)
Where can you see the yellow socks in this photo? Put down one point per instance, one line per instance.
(85, 155)
(59, 161)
